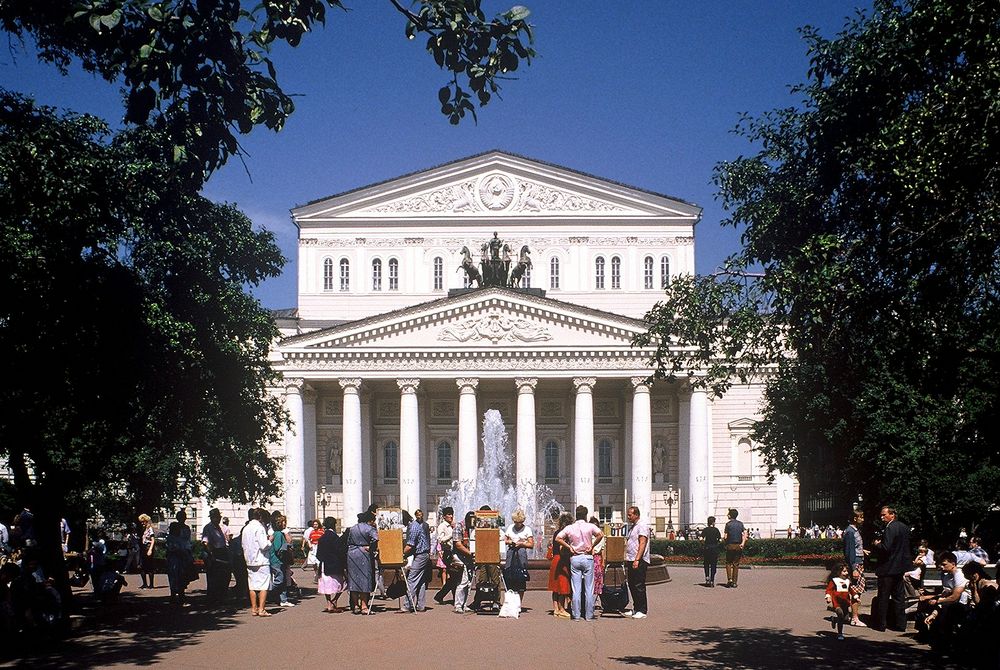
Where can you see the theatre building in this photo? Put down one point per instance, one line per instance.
(395, 352)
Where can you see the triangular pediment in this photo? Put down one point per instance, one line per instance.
(500, 319)
(495, 185)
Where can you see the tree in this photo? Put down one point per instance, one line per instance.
(137, 364)
(866, 289)
(200, 71)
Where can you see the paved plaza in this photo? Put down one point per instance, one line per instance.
(774, 620)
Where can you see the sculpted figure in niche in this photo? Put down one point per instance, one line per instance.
(336, 458)
(659, 460)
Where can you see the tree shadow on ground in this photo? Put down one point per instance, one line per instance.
(774, 649)
(132, 631)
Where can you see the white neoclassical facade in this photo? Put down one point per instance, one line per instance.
(389, 365)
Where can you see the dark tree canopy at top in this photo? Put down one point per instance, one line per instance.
(200, 70)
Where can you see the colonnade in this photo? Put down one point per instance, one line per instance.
(694, 470)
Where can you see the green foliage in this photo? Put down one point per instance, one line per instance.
(201, 72)
(138, 362)
(866, 290)
(765, 548)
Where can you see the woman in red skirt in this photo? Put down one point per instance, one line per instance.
(559, 583)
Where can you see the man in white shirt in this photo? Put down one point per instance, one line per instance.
(637, 561)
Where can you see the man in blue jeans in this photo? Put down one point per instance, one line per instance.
(580, 538)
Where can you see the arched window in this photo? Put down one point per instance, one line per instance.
(438, 273)
(604, 454)
(327, 274)
(599, 273)
(554, 273)
(664, 272)
(647, 273)
(376, 274)
(444, 460)
(393, 274)
(616, 272)
(390, 461)
(345, 274)
(551, 461)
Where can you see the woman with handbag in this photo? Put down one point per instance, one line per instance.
(519, 540)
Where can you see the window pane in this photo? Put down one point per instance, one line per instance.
(554, 273)
(444, 460)
(327, 274)
(664, 272)
(604, 459)
(551, 460)
(345, 274)
(438, 274)
(391, 465)
(616, 272)
(599, 273)
(647, 273)
(377, 274)
(393, 274)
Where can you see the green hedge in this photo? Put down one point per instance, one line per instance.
(765, 548)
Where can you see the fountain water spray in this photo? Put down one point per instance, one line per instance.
(494, 485)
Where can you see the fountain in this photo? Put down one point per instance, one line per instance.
(494, 485)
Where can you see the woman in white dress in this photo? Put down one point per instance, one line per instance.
(256, 551)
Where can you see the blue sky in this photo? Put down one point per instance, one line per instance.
(645, 93)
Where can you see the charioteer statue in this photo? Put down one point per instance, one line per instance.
(495, 266)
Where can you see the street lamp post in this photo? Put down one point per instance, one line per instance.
(670, 498)
(323, 498)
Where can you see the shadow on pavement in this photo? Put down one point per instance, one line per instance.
(132, 631)
(718, 648)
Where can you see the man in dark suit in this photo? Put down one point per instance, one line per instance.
(893, 560)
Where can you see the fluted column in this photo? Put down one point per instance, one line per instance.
(698, 455)
(295, 497)
(409, 445)
(352, 468)
(468, 429)
(526, 458)
(642, 447)
(583, 442)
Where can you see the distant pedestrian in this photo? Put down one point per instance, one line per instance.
(281, 559)
(361, 562)
(217, 558)
(446, 555)
(854, 558)
(146, 567)
(180, 560)
(418, 545)
(713, 545)
(735, 534)
(559, 575)
(637, 561)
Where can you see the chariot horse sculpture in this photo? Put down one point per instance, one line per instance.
(523, 264)
(471, 272)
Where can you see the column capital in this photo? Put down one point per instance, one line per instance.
(293, 384)
(641, 384)
(309, 394)
(350, 385)
(408, 386)
(467, 384)
(525, 384)
(584, 384)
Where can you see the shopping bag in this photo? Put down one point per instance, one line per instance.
(511, 608)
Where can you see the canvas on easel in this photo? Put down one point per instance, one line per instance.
(614, 549)
(390, 547)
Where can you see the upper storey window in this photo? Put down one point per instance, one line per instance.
(345, 274)
(616, 272)
(377, 274)
(599, 273)
(327, 274)
(647, 273)
(393, 274)
(664, 272)
(554, 273)
(438, 273)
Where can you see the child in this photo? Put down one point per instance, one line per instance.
(838, 597)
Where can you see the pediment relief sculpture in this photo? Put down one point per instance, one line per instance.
(495, 328)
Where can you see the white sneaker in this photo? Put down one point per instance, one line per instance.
(638, 615)
(288, 604)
